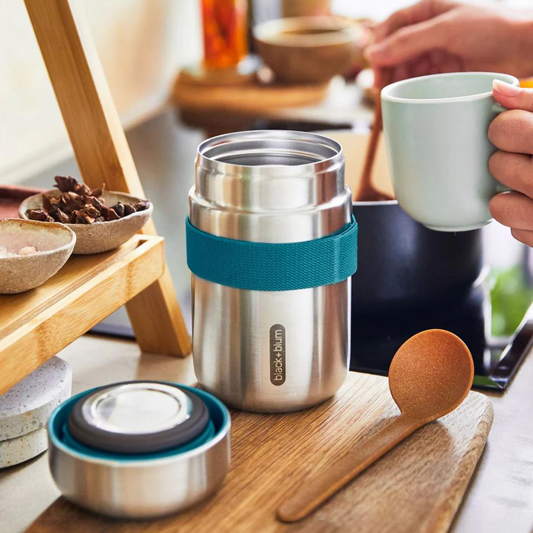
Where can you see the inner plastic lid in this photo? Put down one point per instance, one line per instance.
(138, 417)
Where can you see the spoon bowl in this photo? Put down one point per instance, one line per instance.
(431, 375)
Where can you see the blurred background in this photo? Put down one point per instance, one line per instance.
(141, 43)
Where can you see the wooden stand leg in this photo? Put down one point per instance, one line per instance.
(153, 314)
(102, 152)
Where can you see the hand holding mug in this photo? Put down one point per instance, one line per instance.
(512, 133)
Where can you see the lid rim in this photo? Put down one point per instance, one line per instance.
(137, 443)
(228, 141)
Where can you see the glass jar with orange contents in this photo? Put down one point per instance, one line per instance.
(224, 32)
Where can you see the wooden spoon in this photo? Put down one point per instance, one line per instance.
(367, 192)
(429, 377)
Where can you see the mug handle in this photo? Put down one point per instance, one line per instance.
(497, 108)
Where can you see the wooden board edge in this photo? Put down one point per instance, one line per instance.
(448, 507)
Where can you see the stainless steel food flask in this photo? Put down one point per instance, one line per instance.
(270, 351)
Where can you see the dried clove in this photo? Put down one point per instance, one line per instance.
(142, 205)
(79, 204)
(111, 214)
(62, 217)
(66, 183)
(119, 209)
(129, 209)
(39, 214)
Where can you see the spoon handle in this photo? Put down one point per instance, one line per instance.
(316, 491)
(366, 175)
(365, 183)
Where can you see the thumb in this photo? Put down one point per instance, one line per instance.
(511, 96)
(409, 42)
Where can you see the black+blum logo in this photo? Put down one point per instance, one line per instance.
(277, 354)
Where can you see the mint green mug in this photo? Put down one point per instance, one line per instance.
(436, 134)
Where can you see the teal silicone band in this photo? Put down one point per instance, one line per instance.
(264, 266)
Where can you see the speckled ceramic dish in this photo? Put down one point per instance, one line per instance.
(23, 448)
(101, 236)
(28, 405)
(54, 244)
(26, 408)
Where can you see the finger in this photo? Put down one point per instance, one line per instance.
(410, 42)
(446, 62)
(399, 19)
(378, 77)
(513, 210)
(420, 66)
(523, 236)
(514, 171)
(512, 131)
(511, 96)
(401, 72)
(393, 23)
(384, 77)
(414, 14)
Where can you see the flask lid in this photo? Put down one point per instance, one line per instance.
(138, 417)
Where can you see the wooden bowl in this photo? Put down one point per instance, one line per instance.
(54, 244)
(309, 49)
(100, 236)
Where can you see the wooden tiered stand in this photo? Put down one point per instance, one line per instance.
(35, 325)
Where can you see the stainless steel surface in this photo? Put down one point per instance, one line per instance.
(141, 489)
(137, 408)
(270, 186)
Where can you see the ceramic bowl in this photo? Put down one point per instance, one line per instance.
(309, 49)
(101, 236)
(54, 243)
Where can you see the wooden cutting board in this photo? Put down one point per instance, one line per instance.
(416, 488)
